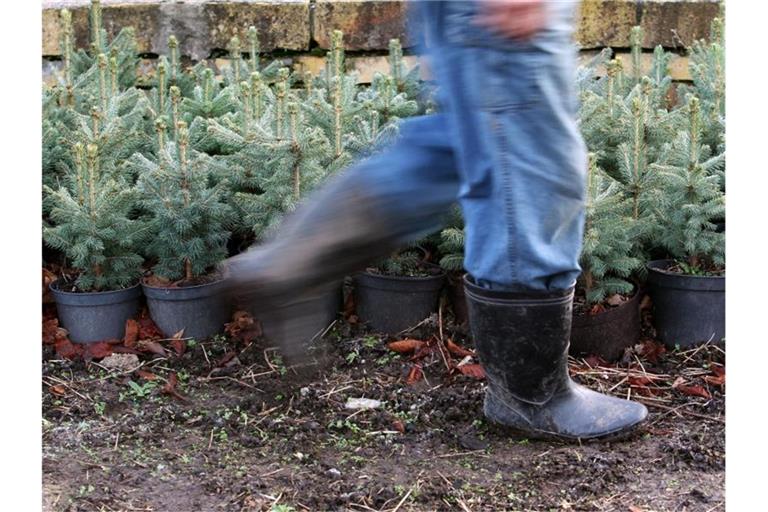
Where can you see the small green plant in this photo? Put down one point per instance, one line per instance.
(140, 390)
(99, 408)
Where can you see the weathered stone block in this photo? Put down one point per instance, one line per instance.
(143, 16)
(282, 24)
(678, 65)
(677, 23)
(367, 25)
(200, 25)
(605, 23)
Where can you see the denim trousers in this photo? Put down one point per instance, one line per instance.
(505, 146)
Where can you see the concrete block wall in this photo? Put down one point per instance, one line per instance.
(298, 31)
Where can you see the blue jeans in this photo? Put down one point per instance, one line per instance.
(506, 146)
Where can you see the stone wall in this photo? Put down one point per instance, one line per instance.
(298, 30)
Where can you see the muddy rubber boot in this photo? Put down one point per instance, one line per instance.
(338, 231)
(522, 341)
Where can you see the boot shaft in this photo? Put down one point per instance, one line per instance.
(522, 340)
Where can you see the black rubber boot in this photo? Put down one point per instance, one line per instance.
(342, 228)
(522, 341)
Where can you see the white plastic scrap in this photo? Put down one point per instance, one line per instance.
(362, 403)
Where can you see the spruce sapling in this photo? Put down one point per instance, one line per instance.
(606, 257)
(91, 223)
(190, 217)
(692, 198)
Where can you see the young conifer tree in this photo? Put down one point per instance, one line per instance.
(115, 123)
(81, 68)
(707, 66)
(91, 223)
(209, 101)
(607, 258)
(692, 197)
(190, 218)
(406, 80)
(289, 156)
(451, 244)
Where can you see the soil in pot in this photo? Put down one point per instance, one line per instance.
(606, 330)
(95, 316)
(391, 304)
(687, 309)
(199, 307)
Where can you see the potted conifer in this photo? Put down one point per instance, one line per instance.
(606, 316)
(451, 249)
(398, 292)
(688, 289)
(189, 222)
(91, 223)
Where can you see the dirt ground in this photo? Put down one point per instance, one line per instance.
(248, 433)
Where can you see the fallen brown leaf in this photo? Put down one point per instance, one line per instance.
(615, 300)
(48, 278)
(694, 391)
(146, 375)
(147, 328)
(131, 332)
(223, 360)
(158, 282)
(414, 375)
(170, 387)
(399, 426)
(595, 361)
(472, 370)
(68, 350)
(50, 330)
(715, 381)
(243, 327)
(596, 309)
(150, 346)
(98, 350)
(58, 389)
(405, 346)
(457, 350)
(651, 350)
(349, 307)
(179, 346)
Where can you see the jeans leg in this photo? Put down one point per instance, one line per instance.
(511, 107)
(379, 204)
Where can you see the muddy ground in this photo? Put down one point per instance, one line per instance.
(256, 434)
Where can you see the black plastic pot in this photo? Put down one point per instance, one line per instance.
(458, 300)
(686, 309)
(200, 310)
(96, 316)
(390, 304)
(304, 319)
(607, 334)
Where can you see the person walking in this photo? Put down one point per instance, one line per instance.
(506, 146)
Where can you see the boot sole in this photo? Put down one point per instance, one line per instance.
(624, 434)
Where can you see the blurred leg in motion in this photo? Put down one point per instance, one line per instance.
(508, 148)
(368, 211)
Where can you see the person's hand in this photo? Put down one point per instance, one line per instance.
(516, 19)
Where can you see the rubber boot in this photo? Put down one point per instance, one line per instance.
(338, 231)
(522, 341)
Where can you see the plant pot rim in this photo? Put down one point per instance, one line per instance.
(441, 275)
(54, 288)
(609, 314)
(660, 267)
(193, 287)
